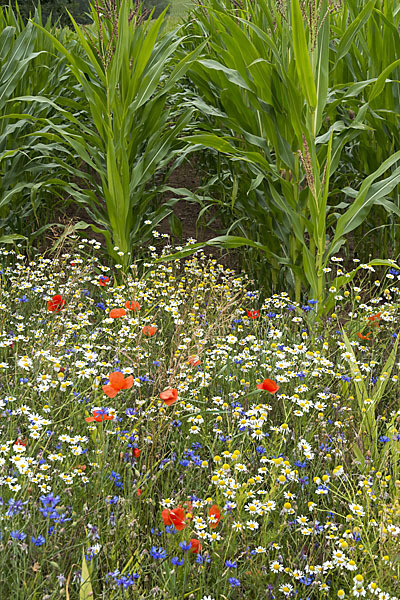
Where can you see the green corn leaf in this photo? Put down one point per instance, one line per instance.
(10, 239)
(322, 69)
(301, 54)
(352, 30)
(360, 207)
(381, 81)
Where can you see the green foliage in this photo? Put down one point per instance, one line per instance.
(31, 173)
(57, 9)
(158, 5)
(267, 88)
(123, 124)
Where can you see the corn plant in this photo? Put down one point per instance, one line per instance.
(266, 84)
(122, 123)
(29, 177)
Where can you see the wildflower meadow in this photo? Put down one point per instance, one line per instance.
(177, 436)
(212, 416)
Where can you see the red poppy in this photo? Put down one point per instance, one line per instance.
(136, 452)
(374, 320)
(253, 314)
(103, 280)
(132, 305)
(269, 386)
(169, 396)
(149, 330)
(117, 382)
(175, 517)
(376, 317)
(116, 313)
(56, 303)
(99, 417)
(215, 515)
(20, 442)
(139, 492)
(194, 546)
(364, 337)
(194, 360)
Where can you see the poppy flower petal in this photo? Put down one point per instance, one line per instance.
(194, 546)
(169, 396)
(216, 514)
(116, 313)
(166, 517)
(110, 391)
(116, 379)
(127, 383)
(269, 386)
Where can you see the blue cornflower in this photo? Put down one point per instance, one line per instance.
(306, 580)
(170, 529)
(175, 561)
(112, 500)
(233, 582)
(101, 305)
(50, 500)
(60, 518)
(156, 363)
(39, 541)
(201, 559)
(48, 512)
(23, 380)
(384, 439)
(15, 506)
(184, 463)
(231, 564)
(17, 535)
(158, 553)
(185, 546)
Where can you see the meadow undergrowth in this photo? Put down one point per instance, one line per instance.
(267, 468)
